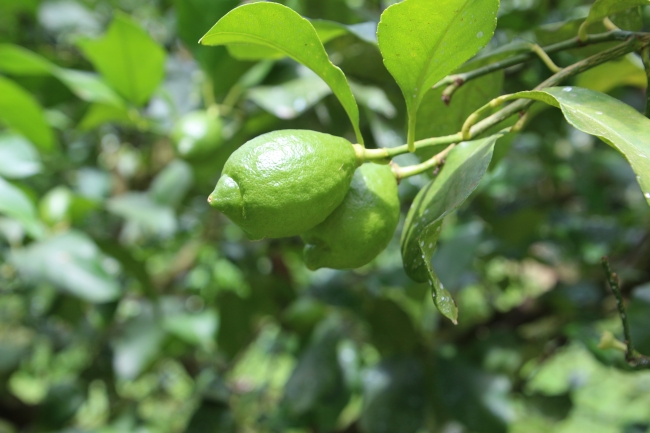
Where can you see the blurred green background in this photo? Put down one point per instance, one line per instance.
(128, 305)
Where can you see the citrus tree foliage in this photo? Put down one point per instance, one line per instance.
(127, 303)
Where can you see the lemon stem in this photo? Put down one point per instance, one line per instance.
(437, 160)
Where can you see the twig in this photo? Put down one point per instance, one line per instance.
(455, 81)
(636, 42)
(632, 357)
(437, 160)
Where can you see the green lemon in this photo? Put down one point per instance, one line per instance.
(361, 227)
(284, 182)
(197, 134)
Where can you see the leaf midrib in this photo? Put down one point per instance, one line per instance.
(435, 48)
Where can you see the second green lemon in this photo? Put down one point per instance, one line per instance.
(197, 134)
(284, 182)
(361, 227)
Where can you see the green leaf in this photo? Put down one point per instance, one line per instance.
(16, 60)
(394, 397)
(461, 174)
(128, 58)
(22, 113)
(609, 119)
(278, 27)
(330, 30)
(138, 345)
(99, 114)
(373, 98)
(198, 329)
(626, 71)
(15, 204)
(87, 86)
(601, 9)
(18, 157)
(172, 183)
(141, 211)
(71, 262)
(292, 98)
(422, 41)
(326, 30)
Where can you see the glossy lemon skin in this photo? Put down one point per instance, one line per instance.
(197, 134)
(361, 227)
(284, 182)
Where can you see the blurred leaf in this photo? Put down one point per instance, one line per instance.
(137, 346)
(211, 417)
(422, 41)
(609, 119)
(392, 330)
(18, 157)
(87, 86)
(15, 203)
(16, 60)
(328, 30)
(394, 397)
(461, 174)
(292, 98)
(197, 329)
(477, 399)
(373, 98)
(315, 390)
(626, 71)
(255, 24)
(170, 186)
(128, 58)
(21, 112)
(99, 114)
(72, 262)
(140, 209)
(603, 8)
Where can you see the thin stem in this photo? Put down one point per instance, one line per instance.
(615, 285)
(637, 42)
(609, 24)
(545, 58)
(457, 80)
(632, 357)
(629, 46)
(404, 172)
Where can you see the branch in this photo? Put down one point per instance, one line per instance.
(455, 81)
(636, 42)
(632, 357)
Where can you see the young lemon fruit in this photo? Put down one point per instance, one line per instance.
(361, 227)
(197, 134)
(284, 182)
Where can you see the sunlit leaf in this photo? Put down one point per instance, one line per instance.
(71, 262)
(18, 157)
(22, 113)
(603, 8)
(461, 174)
(278, 27)
(16, 204)
(172, 183)
(87, 86)
(421, 41)
(128, 58)
(609, 119)
(626, 71)
(291, 99)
